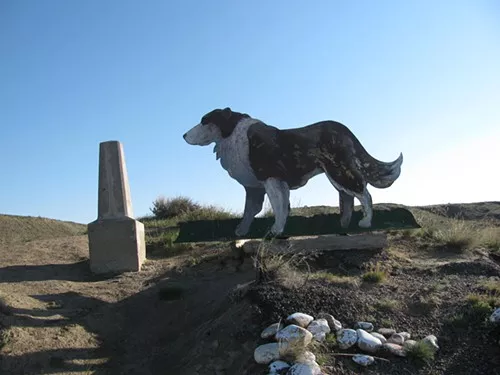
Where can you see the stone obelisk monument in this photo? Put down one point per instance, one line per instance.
(116, 239)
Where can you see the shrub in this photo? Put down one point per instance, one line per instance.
(166, 208)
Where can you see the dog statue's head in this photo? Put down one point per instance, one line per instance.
(214, 126)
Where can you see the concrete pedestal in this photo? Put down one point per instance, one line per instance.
(116, 239)
(116, 245)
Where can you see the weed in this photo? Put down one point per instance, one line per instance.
(491, 286)
(375, 274)
(489, 238)
(420, 352)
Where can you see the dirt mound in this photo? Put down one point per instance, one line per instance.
(27, 228)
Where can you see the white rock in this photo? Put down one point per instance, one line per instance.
(405, 335)
(346, 338)
(365, 326)
(367, 342)
(394, 349)
(329, 318)
(333, 323)
(271, 330)
(305, 357)
(294, 335)
(495, 317)
(305, 369)
(319, 328)
(267, 353)
(380, 336)
(387, 332)
(363, 360)
(431, 340)
(277, 367)
(409, 344)
(300, 319)
(396, 338)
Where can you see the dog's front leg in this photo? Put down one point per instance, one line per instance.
(254, 201)
(278, 193)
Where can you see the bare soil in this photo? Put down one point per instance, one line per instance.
(191, 313)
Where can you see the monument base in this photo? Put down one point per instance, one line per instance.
(116, 245)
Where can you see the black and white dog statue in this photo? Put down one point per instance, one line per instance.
(267, 160)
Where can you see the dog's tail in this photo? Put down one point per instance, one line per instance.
(378, 173)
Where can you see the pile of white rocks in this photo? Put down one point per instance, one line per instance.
(287, 352)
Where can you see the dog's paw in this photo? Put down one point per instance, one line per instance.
(365, 223)
(241, 231)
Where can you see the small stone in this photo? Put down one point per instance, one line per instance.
(387, 332)
(431, 340)
(346, 338)
(267, 353)
(379, 336)
(394, 349)
(300, 319)
(365, 326)
(363, 359)
(396, 338)
(318, 327)
(305, 357)
(495, 317)
(305, 369)
(294, 335)
(277, 367)
(271, 331)
(406, 335)
(329, 318)
(408, 344)
(367, 342)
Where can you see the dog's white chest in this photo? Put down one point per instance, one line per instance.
(233, 152)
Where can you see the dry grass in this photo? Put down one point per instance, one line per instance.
(26, 228)
(339, 280)
(283, 268)
(387, 305)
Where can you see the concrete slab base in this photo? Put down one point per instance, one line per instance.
(116, 245)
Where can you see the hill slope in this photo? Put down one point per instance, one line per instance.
(27, 228)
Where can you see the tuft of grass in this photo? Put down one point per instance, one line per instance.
(375, 275)
(420, 352)
(387, 304)
(489, 238)
(346, 281)
(455, 233)
(491, 286)
(282, 268)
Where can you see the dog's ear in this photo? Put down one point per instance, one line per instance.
(227, 112)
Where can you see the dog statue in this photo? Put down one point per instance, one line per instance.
(272, 161)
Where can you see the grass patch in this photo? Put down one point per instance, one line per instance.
(420, 352)
(387, 304)
(489, 238)
(457, 234)
(334, 279)
(491, 286)
(375, 274)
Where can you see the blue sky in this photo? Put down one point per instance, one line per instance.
(418, 77)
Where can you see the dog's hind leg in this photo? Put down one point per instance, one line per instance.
(366, 203)
(254, 201)
(350, 182)
(346, 205)
(278, 193)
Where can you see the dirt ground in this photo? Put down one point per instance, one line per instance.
(190, 314)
